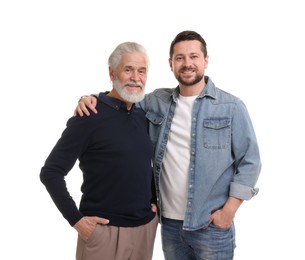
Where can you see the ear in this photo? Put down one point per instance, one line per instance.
(206, 62)
(170, 63)
(111, 73)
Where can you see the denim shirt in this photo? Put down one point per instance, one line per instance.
(224, 155)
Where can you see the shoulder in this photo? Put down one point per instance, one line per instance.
(226, 97)
(88, 121)
(158, 99)
(217, 94)
(161, 94)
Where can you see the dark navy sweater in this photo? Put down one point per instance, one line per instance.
(114, 152)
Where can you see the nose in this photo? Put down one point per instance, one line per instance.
(187, 61)
(135, 76)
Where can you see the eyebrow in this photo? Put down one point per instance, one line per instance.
(132, 67)
(192, 53)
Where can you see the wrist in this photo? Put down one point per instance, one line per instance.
(82, 98)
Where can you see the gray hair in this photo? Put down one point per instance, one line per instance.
(125, 47)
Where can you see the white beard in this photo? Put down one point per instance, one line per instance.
(129, 97)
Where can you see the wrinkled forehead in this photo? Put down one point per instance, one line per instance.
(136, 60)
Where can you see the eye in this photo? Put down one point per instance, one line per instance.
(127, 70)
(194, 57)
(142, 72)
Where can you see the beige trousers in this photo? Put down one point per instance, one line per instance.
(119, 243)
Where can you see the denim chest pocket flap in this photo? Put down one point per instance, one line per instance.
(154, 118)
(216, 133)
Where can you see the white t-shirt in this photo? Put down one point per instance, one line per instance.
(175, 167)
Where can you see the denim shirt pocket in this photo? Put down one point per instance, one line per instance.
(155, 122)
(216, 133)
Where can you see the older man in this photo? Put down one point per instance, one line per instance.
(116, 219)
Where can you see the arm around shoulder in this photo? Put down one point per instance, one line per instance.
(85, 104)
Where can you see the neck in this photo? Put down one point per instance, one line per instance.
(193, 90)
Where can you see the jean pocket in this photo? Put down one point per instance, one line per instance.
(213, 226)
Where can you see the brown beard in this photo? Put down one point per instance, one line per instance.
(197, 79)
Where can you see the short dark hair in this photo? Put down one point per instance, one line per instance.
(188, 36)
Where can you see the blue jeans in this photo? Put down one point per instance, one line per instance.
(212, 243)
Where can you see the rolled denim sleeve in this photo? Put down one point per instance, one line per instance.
(246, 152)
(242, 191)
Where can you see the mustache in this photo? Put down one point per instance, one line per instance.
(134, 83)
(185, 68)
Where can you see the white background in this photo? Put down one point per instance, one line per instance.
(52, 52)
